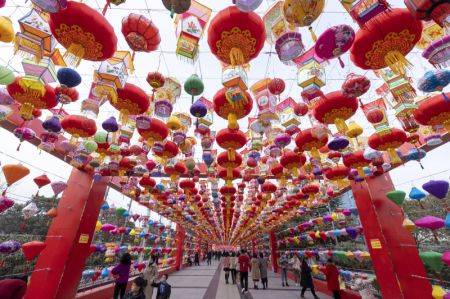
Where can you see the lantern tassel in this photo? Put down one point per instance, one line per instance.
(315, 153)
(232, 121)
(108, 4)
(361, 172)
(313, 35)
(229, 172)
(395, 159)
(397, 62)
(236, 57)
(74, 54)
(341, 62)
(445, 97)
(341, 126)
(295, 171)
(231, 154)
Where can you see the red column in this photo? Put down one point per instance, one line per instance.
(179, 244)
(273, 251)
(393, 250)
(60, 264)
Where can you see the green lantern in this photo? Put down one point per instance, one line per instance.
(119, 212)
(6, 76)
(194, 86)
(397, 196)
(101, 137)
(90, 146)
(342, 256)
(433, 260)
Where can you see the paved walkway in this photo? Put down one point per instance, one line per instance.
(208, 282)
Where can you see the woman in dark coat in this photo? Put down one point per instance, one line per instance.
(306, 280)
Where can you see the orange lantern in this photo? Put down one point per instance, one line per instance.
(234, 41)
(31, 94)
(131, 100)
(84, 32)
(230, 110)
(14, 173)
(335, 108)
(388, 141)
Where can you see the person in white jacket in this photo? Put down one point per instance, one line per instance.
(150, 274)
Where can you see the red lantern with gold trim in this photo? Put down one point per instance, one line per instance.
(386, 40)
(388, 141)
(335, 108)
(234, 41)
(31, 94)
(337, 173)
(78, 126)
(147, 182)
(140, 33)
(155, 80)
(169, 151)
(434, 111)
(292, 161)
(356, 160)
(311, 190)
(131, 100)
(231, 140)
(307, 141)
(224, 174)
(84, 32)
(224, 161)
(230, 110)
(157, 131)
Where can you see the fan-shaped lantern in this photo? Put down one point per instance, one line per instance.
(386, 40)
(233, 41)
(84, 32)
(140, 33)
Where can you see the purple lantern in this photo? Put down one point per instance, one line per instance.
(9, 247)
(51, 6)
(338, 144)
(198, 109)
(334, 42)
(351, 232)
(247, 5)
(438, 189)
(438, 52)
(110, 125)
(289, 46)
(52, 124)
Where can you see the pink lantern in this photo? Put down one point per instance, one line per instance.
(5, 203)
(431, 222)
(334, 42)
(24, 134)
(355, 86)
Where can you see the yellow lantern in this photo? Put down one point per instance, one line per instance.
(6, 30)
(303, 13)
(98, 226)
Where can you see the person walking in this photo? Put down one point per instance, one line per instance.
(208, 258)
(150, 274)
(284, 264)
(256, 274)
(137, 289)
(226, 266)
(296, 268)
(244, 265)
(233, 262)
(332, 274)
(163, 287)
(196, 259)
(263, 270)
(122, 270)
(306, 280)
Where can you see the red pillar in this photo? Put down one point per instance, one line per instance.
(393, 250)
(273, 251)
(60, 264)
(179, 244)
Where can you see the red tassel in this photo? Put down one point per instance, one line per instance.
(341, 62)
(108, 4)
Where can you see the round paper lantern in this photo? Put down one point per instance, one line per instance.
(334, 42)
(303, 13)
(131, 100)
(386, 40)
(198, 109)
(9, 247)
(434, 111)
(6, 75)
(231, 110)
(388, 141)
(68, 77)
(84, 32)
(156, 132)
(247, 5)
(276, 86)
(50, 6)
(231, 140)
(194, 86)
(224, 161)
(355, 86)
(307, 141)
(177, 6)
(335, 108)
(140, 33)
(6, 30)
(31, 95)
(292, 161)
(79, 126)
(435, 80)
(289, 46)
(233, 41)
(300, 109)
(375, 116)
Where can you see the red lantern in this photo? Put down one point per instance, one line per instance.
(375, 116)
(231, 140)
(311, 190)
(276, 86)
(131, 100)
(434, 111)
(337, 173)
(225, 175)
(170, 150)
(300, 109)
(155, 80)
(388, 141)
(438, 10)
(31, 95)
(79, 126)
(356, 160)
(335, 108)
(156, 132)
(84, 32)
(140, 33)
(66, 95)
(147, 182)
(355, 85)
(232, 111)
(233, 41)
(386, 40)
(292, 161)
(306, 141)
(32, 249)
(224, 161)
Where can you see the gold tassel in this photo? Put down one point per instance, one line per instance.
(26, 110)
(229, 172)
(236, 57)
(395, 159)
(295, 171)
(232, 121)
(124, 113)
(229, 183)
(361, 172)
(397, 62)
(315, 153)
(313, 35)
(446, 125)
(32, 87)
(341, 126)
(74, 54)
(173, 178)
(231, 154)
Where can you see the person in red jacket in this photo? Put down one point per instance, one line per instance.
(244, 266)
(332, 274)
(12, 288)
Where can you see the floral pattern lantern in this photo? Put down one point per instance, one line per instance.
(131, 100)
(385, 41)
(334, 42)
(355, 86)
(289, 46)
(31, 95)
(435, 80)
(303, 13)
(140, 33)
(232, 110)
(84, 32)
(335, 108)
(434, 111)
(233, 41)
(388, 141)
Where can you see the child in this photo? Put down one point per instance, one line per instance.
(137, 289)
(362, 285)
(164, 289)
